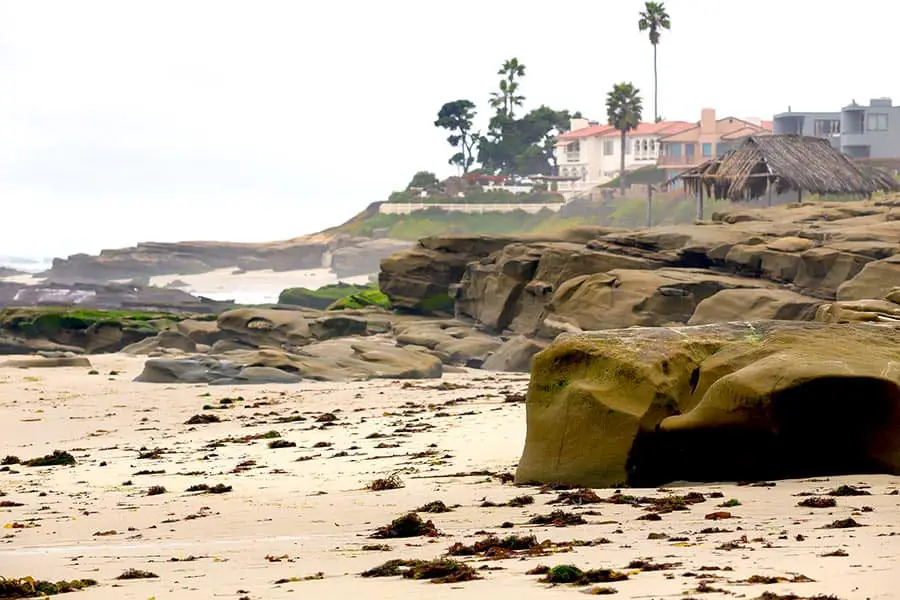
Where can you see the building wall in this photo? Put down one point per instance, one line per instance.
(599, 158)
(866, 131)
(701, 143)
(405, 208)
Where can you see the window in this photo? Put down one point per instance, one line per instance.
(826, 127)
(644, 144)
(653, 146)
(707, 150)
(673, 149)
(573, 152)
(609, 147)
(877, 122)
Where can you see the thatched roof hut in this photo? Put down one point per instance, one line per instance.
(786, 163)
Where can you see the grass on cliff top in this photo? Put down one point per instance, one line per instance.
(619, 212)
(36, 321)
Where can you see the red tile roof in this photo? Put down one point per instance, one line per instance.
(661, 128)
(585, 132)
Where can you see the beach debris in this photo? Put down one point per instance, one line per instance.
(849, 490)
(156, 490)
(314, 577)
(558, 518)
(847, 523)
(58, 458)
(572, 575)
(440, 570)
(434, 507)
(203, 419)
(818, 502)
(28, 587)
(276, 444)
(137, 574)
(392, 482)
(409, 525)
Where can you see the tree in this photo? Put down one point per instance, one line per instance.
(507, 98)
(456, 117)
(524, 146)
(425, 180)
(623, 108)
(654, 19)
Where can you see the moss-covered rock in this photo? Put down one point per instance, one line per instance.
(362, 299)
(759, 400)
(90, 329)
(322, 297)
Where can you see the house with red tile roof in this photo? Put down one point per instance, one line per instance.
(589, 154)
(706, 139)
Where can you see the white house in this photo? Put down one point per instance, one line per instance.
(592, 152)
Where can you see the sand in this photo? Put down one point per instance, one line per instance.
(315, 515)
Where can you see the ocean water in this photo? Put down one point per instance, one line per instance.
(29, 264)
(251, 287)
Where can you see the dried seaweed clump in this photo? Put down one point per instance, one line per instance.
(570, 574)
(434, 507)
(137, 574)
(28, 587)
(558, 518)
(409, 525)
(393, 482)
(578, 498)
(59, 457)
(848, 490)
(818, 502)
(440, 570)
(494, 547)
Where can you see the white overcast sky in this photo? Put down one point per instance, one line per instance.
(125, 120)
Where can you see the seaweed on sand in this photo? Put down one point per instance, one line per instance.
(409, 525)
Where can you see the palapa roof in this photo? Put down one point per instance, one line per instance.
(788, 162)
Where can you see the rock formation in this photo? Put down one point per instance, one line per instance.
(790, 262)
(348, 255)
(733, 401)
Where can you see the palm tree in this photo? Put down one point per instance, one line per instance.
(623, 109)
(507, 98)
(654, 19)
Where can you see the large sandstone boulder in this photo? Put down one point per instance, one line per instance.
(499, 291)
(343, 359)
(452, 341)
(514, 355)
(735, 401)
(419, 279)
(755, 304)
(874, 280)
(627, 298)
(266, 327)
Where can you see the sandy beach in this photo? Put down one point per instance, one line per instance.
(304, 510)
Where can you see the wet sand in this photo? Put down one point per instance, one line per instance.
(297, 511)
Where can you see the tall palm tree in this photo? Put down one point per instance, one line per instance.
(507, 98)
(623, 109)
(654, 19)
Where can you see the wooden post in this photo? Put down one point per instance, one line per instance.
(799, 196)
(768, 193)
(700, 201)
(649, 206)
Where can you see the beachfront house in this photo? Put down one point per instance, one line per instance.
(706, 139)
(859, 131)
(589, 154)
